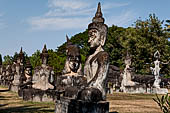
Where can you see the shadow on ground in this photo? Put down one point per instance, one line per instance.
(5, 90)
(24, 109)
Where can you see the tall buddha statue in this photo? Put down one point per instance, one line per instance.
(96, 65)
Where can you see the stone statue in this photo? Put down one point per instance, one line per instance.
(72, 78)
(28, 72)
(72, 70)
(127, 81)
(89, 97)
(19, 69)
(43, 75)
(96, 65)
(156, 69)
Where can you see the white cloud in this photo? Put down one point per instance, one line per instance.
(2, 23)
(126, 18)
(69, 14)
(68, 4)
(57, 23)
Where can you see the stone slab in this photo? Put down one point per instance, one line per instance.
(68, 105)
(36, 95)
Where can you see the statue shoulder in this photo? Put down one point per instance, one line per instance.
(102, 57)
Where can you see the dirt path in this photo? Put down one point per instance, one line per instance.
(119, 103)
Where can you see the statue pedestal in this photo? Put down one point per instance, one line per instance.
(135, 89)
(159, 90)
(14, 88)
(69, 105)
(144, 89)
(37, 95)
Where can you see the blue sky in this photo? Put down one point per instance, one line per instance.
(33, 23)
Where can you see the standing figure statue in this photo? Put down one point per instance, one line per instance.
(96, 65)
(156, 70)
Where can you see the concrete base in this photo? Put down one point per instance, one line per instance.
(159, 90)
(135, 89)
(143, 89)
(68, 105)
(14, 88)
(37, 95)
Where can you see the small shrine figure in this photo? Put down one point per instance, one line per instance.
(43, 77)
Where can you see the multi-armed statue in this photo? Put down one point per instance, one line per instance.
(156, 69)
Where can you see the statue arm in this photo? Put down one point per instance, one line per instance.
(165, 63)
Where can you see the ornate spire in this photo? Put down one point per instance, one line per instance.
(98, 16)
(68, 41)
(44, 49)
(21, 54)
(21, 51)
(44, 52)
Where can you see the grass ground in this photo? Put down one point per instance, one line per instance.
(11, 103)
(119, 103)
(133, 103)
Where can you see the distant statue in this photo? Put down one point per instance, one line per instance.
(156, 69)
(19, 69)
(28, 71)
(43, 77)
(127, 73)
(96, 65)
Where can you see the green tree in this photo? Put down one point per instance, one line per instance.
(7, 60)
(35, 59)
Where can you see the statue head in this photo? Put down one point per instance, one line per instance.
(73, 56)
(28, 68)
(128, 59)
(97, 30)
(157, 54)
(44, 55)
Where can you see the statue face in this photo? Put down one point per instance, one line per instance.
(28, 71)
(94, 38)
(74, 63)
(128, 62)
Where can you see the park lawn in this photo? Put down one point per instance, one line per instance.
(119, 103)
